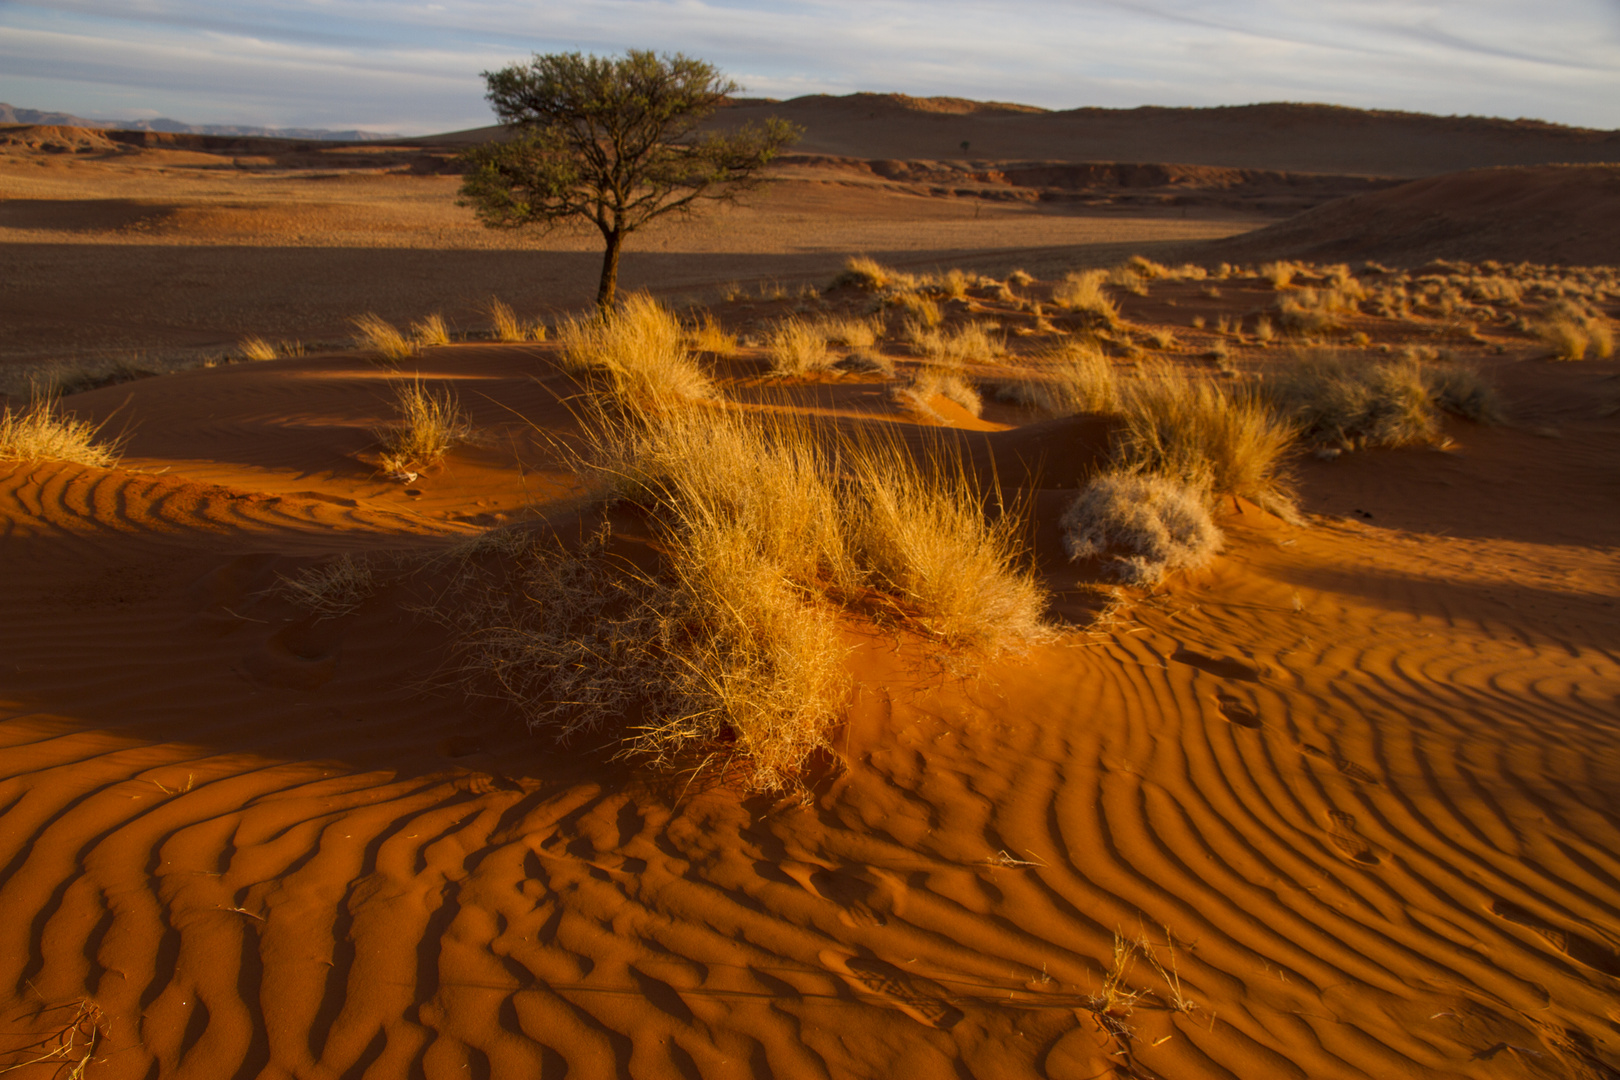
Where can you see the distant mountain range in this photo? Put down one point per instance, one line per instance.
(11, 115)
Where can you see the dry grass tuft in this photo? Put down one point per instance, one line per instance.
(853, 333)
(707, 335)
(428, 425)
(1202, 435)
(1574, 331)
(504, 323)
(931, 382)
(1281, 274)
(639, 349)
(1083, 292)
(922, 533)
(1143, 526)
(920, 309)
(798, 346)
(332, 590)
(1022, 278)
(867, 273)
(1350, 402)
(256, 348)
(1075, 378)
(380, 335)
(430, 331)
(43, 432)
(968, 343)
(730, 649)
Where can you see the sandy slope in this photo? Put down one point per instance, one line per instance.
(1567, 214)
(1360, 778)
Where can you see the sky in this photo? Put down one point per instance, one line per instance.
(413, 67)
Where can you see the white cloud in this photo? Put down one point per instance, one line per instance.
(414, 66)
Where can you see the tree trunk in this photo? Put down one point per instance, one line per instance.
(610, 270)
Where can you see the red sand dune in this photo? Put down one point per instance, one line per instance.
(1567, 214)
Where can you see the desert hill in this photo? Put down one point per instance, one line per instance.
(11, 114)
(1567, 214)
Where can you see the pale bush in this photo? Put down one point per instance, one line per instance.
(1142, 526)
(867, 273)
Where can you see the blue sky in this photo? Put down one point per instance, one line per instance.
(414, 66)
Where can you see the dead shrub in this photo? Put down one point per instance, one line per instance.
(331, 590)
(1142, 526)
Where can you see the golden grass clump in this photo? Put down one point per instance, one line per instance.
(639, 349)
(1573, 332)
(767, 526)
(920, 309)
(1350, 402)
(968, 343)
(953, 285)
(853, 333)
(1082, 291)
(257, 349)
(1281, 274)
(427, 425)
(506, 326)
(1200, 434)
(922, 532)
(381, 336)
(798, 346)
(865, 272)
(43, 432)
(1021, 278)
(1141, 526)
(430, 330)
(707, 335)
(1073, 378)
(927, 383)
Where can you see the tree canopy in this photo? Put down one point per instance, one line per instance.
(612, 141)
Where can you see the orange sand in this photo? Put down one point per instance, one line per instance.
(1359, 778)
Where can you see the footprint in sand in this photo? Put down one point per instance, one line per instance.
(918, 998)
(1235, 711)
(1577, 947)
(1359, 773)
(853, 895)
(1349, 842)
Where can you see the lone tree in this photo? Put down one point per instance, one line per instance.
(612, 141)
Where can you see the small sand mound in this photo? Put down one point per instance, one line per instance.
(1545, 214)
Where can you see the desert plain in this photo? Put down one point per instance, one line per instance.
(1341, 800)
